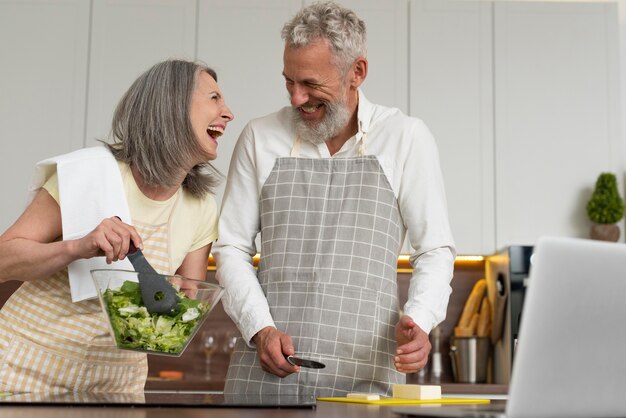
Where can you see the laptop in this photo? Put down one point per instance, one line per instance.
(570, 359)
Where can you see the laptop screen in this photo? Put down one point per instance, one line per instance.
(569, 360)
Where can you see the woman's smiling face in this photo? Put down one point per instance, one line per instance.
(209, 114)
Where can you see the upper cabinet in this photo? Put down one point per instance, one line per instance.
(556, 115)
(522, 98)
(127, 37)
(44, 49)
(451, 90)
(241, 40)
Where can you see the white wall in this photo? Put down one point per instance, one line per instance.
(127, 36)
(118, 39)
(43, 78)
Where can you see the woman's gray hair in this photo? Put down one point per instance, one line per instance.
(340, 27)
(152, 129)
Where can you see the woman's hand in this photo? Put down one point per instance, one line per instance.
(111, 238)
(32, 249)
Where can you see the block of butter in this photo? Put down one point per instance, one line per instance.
(364, 396)
(420, 392)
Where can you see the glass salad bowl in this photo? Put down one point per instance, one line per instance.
(134, 328)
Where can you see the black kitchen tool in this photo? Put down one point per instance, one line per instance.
(302, 362)
(157, 293)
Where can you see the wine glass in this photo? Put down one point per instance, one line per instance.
(230, 340)
(209, 345)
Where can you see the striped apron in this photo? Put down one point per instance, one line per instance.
(49, 344)
(331, 232)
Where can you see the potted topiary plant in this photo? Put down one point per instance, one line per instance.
(605, 208)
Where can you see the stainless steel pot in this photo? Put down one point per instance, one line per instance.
(469, 357)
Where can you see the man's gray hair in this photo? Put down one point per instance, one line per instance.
(152, 129)
(340, 27)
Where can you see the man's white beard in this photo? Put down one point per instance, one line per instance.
(335, 119)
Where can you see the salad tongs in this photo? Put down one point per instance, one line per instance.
(157, 293)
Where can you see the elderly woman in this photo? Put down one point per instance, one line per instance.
(151, 186)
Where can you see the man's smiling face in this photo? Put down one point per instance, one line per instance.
(317, 91)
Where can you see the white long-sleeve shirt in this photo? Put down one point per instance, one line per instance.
(408, 155)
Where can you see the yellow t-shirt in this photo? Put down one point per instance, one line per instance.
(192, 220)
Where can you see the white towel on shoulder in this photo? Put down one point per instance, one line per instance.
(90, 190)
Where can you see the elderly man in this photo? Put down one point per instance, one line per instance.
(333, 183)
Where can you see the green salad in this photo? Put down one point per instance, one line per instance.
(135, 328)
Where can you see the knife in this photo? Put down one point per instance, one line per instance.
(303, 362)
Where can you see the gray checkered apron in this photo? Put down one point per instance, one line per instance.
(330, 236)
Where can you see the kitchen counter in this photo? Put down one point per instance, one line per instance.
(325, 410)
(194, 383)
(184, 405)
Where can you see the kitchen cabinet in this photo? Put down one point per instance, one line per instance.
(44, 49)
(66, 64)
(241, 40)
(522, 100)
(451, 89)
(521, 97)
(557, 115)
(127, 38)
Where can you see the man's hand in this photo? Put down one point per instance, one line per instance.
(272, 346)
(413, 346)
